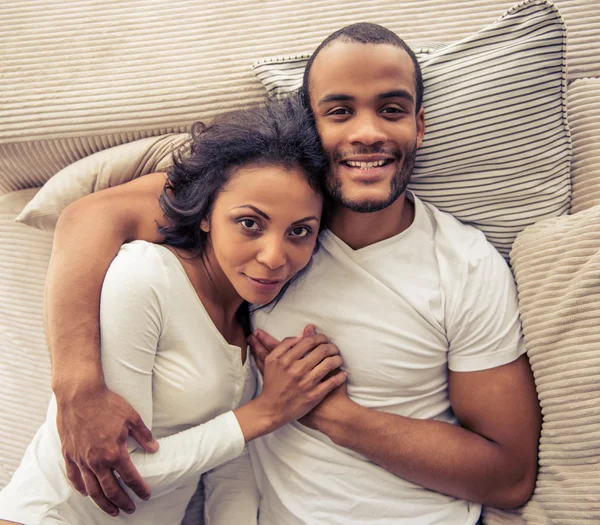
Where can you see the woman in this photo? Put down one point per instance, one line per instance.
(243, 211)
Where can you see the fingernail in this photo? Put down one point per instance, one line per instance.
(114, 513)
(129, 510)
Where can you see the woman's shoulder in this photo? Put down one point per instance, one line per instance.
(140, 263)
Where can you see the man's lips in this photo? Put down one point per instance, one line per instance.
(364, 162)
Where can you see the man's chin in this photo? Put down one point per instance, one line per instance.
(366, 206)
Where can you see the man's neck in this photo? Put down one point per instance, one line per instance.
(358, 230)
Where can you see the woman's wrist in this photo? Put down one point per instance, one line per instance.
(256, 419)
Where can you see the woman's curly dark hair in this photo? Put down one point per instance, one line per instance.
(278, 132)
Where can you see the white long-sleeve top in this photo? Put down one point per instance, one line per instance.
(163, 354)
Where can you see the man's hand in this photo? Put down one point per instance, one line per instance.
(327, 410)
(93, 427)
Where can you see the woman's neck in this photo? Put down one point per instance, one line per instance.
(213, 288)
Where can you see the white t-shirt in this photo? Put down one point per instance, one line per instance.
(161, 352)
(401, 311)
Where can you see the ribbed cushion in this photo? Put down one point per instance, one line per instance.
(557, 268)
(24, 358)
(79, 76)
(497, 148)
(583, 103)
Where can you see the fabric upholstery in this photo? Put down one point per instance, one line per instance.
(24, 358)
(75, 80)
(557, 269)
(583, 103)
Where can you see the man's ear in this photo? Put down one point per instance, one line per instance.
(420, 127)
(205, 225)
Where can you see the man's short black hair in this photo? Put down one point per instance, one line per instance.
(365, 33)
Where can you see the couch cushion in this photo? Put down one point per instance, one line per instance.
(497, 147)
(557, 268)
(583, 103)
(24, 358)
(76, 81)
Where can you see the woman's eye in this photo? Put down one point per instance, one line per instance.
(339, 111)
(300, 231)
(249, 224)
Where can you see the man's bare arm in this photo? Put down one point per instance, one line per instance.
(490, 459)
(93, 422)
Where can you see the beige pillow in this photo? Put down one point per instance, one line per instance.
(557, 268)
(101, 170)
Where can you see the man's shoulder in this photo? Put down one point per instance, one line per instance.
(458, 240)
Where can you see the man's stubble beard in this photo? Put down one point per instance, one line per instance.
(398, 185)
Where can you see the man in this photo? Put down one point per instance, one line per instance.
(421, 307)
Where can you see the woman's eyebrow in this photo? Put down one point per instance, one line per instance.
(260, 212)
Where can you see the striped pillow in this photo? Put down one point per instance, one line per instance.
(497, 146)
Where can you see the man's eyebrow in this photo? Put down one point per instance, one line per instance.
(260, 212)
(335, 97)
(397, 93)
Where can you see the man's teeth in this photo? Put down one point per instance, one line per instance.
(365, 165)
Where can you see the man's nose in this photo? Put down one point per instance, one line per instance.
(367, 129)
(272, 253)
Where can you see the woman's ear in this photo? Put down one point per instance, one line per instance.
(205, 225)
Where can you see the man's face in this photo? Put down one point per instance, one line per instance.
(363, 98)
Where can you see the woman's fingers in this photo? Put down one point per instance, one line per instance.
(327, 365)
(303, 347)
(282, 348)
(259, 351)
(330, 384)
(267, 340)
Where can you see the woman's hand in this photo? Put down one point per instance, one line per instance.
(297, 376)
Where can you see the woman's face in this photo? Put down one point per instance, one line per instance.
(263, 228)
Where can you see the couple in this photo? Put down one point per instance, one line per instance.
(435, 412)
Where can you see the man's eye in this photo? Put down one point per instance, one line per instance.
(249, 224)
(300, 232)
(392, 110)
